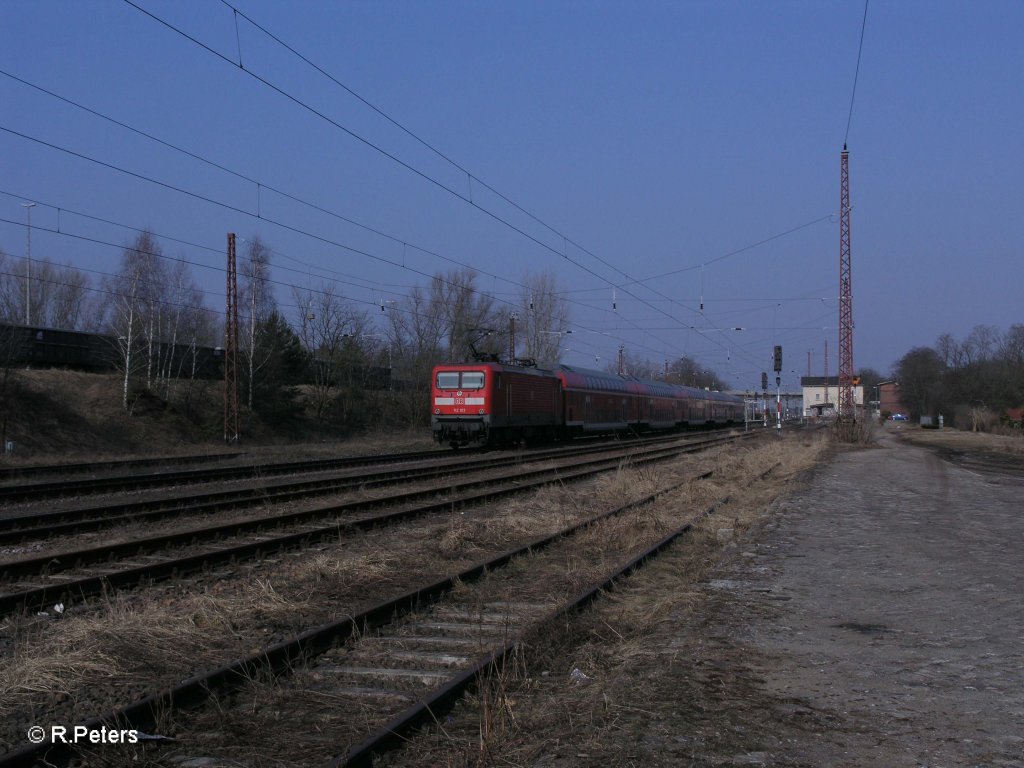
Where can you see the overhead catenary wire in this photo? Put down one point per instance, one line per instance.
(412, 134)
(856, 73)
(260, 185)
(260, 216)
(219, 313)
(473, 179)
(455, 193)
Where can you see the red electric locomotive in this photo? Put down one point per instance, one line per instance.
(493, 403)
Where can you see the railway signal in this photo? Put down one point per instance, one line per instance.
(777, 357)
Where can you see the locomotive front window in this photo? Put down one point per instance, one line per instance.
(469, 380)
(472, 380)
(449, 380)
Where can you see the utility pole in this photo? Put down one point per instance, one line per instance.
(512, 338)
(28, 262)
(622, 360)
(231, 434)
(847, 412)
(826, 371)
(764, 398)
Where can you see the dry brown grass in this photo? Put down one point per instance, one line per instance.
(535, 710)
(96, 658)
(84, 654)
(958, 440)
(61, 416)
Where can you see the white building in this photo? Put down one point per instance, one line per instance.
(821, 395)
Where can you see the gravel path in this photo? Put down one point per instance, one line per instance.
(881, 614)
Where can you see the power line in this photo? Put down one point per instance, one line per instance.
(856, 72)
(258, 183)
(371, 285)
(258, 215)
(427, 177)
(409, 132)
(278, 283)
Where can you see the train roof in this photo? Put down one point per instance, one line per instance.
(616, 383)
(590, 378)
(586, 377)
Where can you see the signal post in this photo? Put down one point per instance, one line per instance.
(778, 387)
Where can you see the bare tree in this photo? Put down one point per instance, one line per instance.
(949, 351)
(125, 306)
(325, 322)
(1011, 350)
(691, 373)
(416, 331)
(57, 294)
(466, 310)
(8, 279)
(258, 304)
(68, 302)
(186, 325)
(544, 316)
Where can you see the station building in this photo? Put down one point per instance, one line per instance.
(821, 395)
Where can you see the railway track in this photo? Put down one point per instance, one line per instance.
(35, 526)
(34, 582)
(53, 489)
(134, 482)
(82, 467)
(439, 651)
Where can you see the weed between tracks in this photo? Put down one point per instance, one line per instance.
(67, 668)
(619, 685)
(74, 666)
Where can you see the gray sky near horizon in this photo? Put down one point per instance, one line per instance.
(660, 155)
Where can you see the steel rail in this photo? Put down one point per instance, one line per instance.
(430, 709)
(82, 587)
(83, 519)
(29, 470)
(82, 486)
(280, 658)
(433, 707)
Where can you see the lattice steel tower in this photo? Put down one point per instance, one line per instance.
(231, 349)
(847, 411)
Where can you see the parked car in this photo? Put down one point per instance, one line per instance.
(899, 417)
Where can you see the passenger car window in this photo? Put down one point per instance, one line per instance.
(448, 380)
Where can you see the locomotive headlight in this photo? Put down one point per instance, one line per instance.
(437, 411)
(481, 411)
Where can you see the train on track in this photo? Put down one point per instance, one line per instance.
(492, 403)
(42, 347)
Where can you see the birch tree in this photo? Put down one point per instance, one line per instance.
(125, 321)
(257, 301)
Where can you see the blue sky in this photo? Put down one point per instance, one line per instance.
(661, 137)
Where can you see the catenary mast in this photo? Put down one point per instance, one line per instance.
(846, 405)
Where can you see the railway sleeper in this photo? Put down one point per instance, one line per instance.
(323, 643)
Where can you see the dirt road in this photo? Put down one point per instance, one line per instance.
(880, 618)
